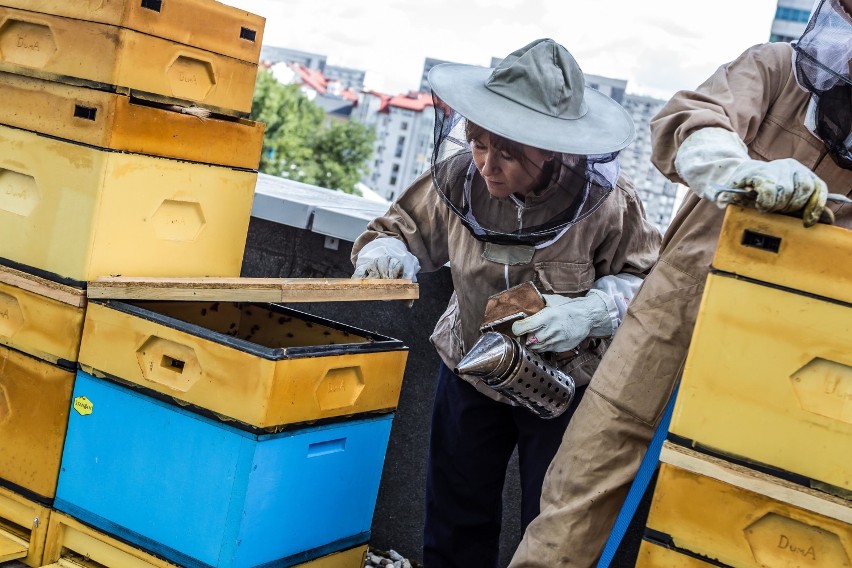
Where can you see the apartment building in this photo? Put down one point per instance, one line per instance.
(404, 127)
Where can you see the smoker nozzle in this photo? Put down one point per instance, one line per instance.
(509, 368)
(491, 358)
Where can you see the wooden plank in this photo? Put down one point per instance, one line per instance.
(12, 547)
(60, 292)
(757, 482)
(252, 289)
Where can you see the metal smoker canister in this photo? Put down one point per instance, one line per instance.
(518, 374)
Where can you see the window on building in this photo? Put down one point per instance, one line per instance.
(776, 38)
(394, 174)
(400, 145)
(792, 14)
(403, 126)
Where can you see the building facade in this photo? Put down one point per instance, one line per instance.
(404, 126)
(659, 195)
(791, 17)
(613, 88)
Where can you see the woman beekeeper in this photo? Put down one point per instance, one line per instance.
(524, 186)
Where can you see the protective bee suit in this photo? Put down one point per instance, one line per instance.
(580, 235)
(749, 125)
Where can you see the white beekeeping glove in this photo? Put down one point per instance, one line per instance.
(564, 322)
(714, 157)
(386, 257)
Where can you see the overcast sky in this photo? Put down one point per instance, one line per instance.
(658, 46)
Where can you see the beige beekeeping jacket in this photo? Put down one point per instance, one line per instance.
(614, 239)
(757, 97)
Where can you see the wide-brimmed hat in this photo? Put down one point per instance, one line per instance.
(536, 96)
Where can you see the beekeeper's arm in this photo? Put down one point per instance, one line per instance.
(712, 158)
(565, 322)
(627, 253)
(410, 237)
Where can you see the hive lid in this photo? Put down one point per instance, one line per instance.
(42, 286)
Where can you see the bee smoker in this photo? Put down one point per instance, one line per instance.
(519, 374)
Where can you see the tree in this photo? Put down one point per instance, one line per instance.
(302, 144)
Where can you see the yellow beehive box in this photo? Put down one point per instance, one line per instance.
(35, 397)
(109, 57)
(740, 517)
(778, 250)
(80, 212)
(260, 364)
(652, 555)
(205, 24)
(23, 528)
(116, 122)
(352, 558)
(71, 544)
(41, 317)
(768, 378)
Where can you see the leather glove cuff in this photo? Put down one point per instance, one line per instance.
(598, 314)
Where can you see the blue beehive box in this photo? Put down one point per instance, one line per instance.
(203, 493)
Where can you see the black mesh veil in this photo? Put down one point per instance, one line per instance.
(822, 60)
(577, 186)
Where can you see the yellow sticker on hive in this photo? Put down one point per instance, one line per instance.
(83, 405)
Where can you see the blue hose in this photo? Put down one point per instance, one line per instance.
(638, 487)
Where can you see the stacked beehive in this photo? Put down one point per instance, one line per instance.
(218, 434)
(40, 328)
(757, 469)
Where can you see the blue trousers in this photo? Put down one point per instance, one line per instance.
(472, 441)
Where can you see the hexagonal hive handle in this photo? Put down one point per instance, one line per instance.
(169, 363)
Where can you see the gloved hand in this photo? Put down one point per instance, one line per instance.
(386, 257)
(715, 156)
(564, 322)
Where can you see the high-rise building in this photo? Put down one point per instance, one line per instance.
(791, 17)
(659, 195)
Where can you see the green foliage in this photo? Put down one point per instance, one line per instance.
(302, 144)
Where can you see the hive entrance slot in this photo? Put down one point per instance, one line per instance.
(155, 5)
(88, 113)
(761, 241)
(173, 364)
